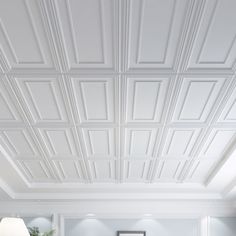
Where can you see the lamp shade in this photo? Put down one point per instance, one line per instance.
(10, 226)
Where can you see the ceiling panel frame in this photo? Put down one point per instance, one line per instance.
(113, 81)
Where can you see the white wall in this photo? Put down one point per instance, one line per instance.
(222, 227)
(75, 226)
(60, 215)
(104, 227)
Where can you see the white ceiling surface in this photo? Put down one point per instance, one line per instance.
(108, 96)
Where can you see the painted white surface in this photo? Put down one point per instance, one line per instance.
(222, 227)
(98, 94)
(121, 208)
(93, 225)
(89, 227)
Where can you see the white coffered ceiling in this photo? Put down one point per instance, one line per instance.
(113, 98)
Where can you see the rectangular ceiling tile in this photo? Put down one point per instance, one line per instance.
(197, 98)
(103, 170)
(145, 99)
(217, 142)
(136, 170)
(18, 143)
(43, 98)
(8, 110)
(88, 29)
(59, 142)
(36, 171)
(214, 46)
(139, 142)
(169, 171)
(228, 114)
(154, 33)
(179, 142)
(200, 171)
(94, 99)
(23, 36)
(70, 170)
(99, 142)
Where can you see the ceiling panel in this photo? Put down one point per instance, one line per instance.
(197, 98)
(169, 170)
(214, 44)
(18, 143)
(36, 171)
(70, 170)
(200, 170)
(89, 33)
(24, 39)
(129, 92)
(139, 142)
(218, 141)
(153, 47)
(145, 98)
(59, 143)
(103, 170)
(94, 99)
(179, 142)
(136, 170)
(228, 114)
(9, 112)
(42, 98)
(99, 142)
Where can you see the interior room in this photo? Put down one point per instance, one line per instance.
(117, 117)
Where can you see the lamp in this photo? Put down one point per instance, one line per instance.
(10, 226)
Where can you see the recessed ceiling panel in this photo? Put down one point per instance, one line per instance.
(99, 142)
(196, 99)
(70, 170)
(36, 171)
(214, 46)
(94, 99)
(228, 114)
(145, 99)
(218, 140)
(136, 170)
(180, 142)
(155, 29)
(140, 142)
(89, 33)
(18, 143)
(23, 38)
(169, 171)
(59, 142)
(200, 171)
(43, 99)
(103, 170)
(8, 111)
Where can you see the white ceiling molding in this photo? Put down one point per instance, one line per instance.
(120, 209)
(5, 188)
(125, 99)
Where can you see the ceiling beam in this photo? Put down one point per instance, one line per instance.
(7, 189)
(223, 177)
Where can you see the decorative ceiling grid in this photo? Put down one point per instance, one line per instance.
(139, 91)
